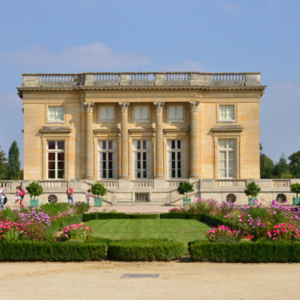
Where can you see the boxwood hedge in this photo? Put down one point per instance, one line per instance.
(253, 252)
(188, 216)
(52, 251)
(146, 250)
(143, 216)
(107, 216)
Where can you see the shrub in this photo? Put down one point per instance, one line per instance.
(106, 216)
(253, 252)
(81, 207)
(11, 231)
(60, 223)
(223, 234)
(295, 188)
(252, 189)
(90, 217)
(53, 209)
(34, 189)
(9, 214)
(99, 189)
(283, 231)
(146, 250)
(174, 210)
(182, 216)
(184, 188)
(143, 216)
(76, 232)
(52, 251)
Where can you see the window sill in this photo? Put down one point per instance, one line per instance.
(226, 121)
(107, 121)
(56, 122)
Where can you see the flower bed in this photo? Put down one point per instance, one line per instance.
(146, 250)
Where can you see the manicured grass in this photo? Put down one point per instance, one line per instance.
(173, 229)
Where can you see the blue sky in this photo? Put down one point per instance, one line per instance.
(156, 35)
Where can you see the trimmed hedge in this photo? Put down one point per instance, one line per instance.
(253, 252)
(188, 216)
(146, 250)
(90, 217)
(52, 251)
(61, 223)
(215, 220)
(143, 216)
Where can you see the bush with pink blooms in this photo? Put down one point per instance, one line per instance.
(285, 232)
(12, 231)
(223, 234)
(76, 232)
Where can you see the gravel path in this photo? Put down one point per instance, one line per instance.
(177, 280)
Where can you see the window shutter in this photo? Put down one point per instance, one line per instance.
(179, 113)
(137, 113)
(172, 113)
(103, 113)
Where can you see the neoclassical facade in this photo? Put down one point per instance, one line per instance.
(150, 128)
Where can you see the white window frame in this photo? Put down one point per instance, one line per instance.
(106, 108)
(148, 159)
(176, 119)
(142, 109)
(225, 113)
(176, 150)
(56, 151)
(57, 111)
(101, 151)
(227, 150)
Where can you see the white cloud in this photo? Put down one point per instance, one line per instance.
(186, 65)
(229, 7)
(90, 57)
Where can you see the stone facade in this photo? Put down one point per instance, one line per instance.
(204, 111)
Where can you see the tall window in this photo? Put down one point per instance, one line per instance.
(55, 113)
(141, 113)
(226, 112)
(56, 159)
(175, 113)
(107, 159)
(107, 114)
(176, 166)
(141, 159)
(227, 158)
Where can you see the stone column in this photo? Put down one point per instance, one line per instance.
(194, 140)
(89, 106)
(159, 140)
(124, 140)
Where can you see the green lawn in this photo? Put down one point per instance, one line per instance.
(176, 230)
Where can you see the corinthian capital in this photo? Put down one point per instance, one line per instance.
(194, 105)
(159, 106)
(89, 106)
(124, 106)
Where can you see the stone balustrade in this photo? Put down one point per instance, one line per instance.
(141, 79)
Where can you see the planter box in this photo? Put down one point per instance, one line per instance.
(34, 202)
(251, 201)
(186, 201)
(296, 200)
(97, 202)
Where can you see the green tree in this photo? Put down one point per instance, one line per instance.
(266, 165)
(281, 169)
(13, 171)
(3, 164)
(294, 165)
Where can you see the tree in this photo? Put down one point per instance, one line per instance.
(184, 188)
(266, 166)
(281, 169)
(3, 164)
(252, 189)
(294, 165)
(13, 164)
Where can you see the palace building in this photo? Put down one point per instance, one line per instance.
(141, 131)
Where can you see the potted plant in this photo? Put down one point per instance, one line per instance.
(99, 190)
(183, 189)
(295, 188)
(252, 190)
(34, 189)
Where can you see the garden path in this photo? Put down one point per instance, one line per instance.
(177, 280)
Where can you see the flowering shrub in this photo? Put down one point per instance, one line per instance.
(285, 232)
(223, 234)
(11, 231)
(76, 232)
(81, 207)
(175, 210)
(35, 224)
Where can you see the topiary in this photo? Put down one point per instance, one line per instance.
(99, 189)
(295, 188)
(252, 189)
(34, 189)
(184, 188)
